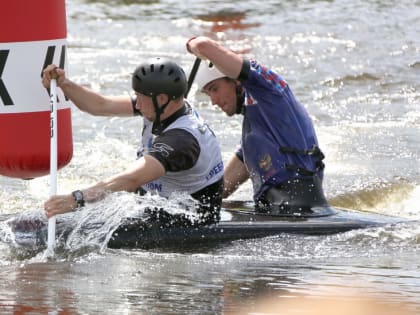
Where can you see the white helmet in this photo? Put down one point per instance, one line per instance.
(206, 73)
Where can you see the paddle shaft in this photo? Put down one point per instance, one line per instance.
(193, 73)
(53, 159)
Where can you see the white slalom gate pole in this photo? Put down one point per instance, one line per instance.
(53, 160)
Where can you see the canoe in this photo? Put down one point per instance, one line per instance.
(238, 221)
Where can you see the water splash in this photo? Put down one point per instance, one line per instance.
(87, 230)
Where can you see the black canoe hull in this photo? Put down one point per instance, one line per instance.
(245, 224)
(238, 222)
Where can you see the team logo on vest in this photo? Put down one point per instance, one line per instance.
(265, 162)
(162, 148)
(249, 100)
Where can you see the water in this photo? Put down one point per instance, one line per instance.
(356, 67)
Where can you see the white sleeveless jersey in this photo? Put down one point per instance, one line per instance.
(207, 170)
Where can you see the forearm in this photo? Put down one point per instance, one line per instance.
(141, 172)
(235, 175)
(86, 99)
(66, 203)
(94, 103)
(119, 182)
(224, 59)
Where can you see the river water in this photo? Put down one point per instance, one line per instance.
(356, 67)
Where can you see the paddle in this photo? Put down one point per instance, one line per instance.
(193, 73)
(53, 158)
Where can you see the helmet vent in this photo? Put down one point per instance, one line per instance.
(160, 76)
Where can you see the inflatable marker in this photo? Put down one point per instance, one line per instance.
(32, 35)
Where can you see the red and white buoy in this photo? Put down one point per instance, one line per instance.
(32, 35)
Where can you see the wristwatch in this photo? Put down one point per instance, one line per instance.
(78, 196)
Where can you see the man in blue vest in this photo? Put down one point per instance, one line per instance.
(279, 149)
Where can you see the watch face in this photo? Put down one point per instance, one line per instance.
(78, 196)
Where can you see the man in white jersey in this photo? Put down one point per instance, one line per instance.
(179, 152)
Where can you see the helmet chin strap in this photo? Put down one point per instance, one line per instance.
(157, 125)
(240, 98)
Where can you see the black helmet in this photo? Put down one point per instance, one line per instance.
(160, 75)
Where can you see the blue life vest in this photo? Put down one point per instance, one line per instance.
(278, 138)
